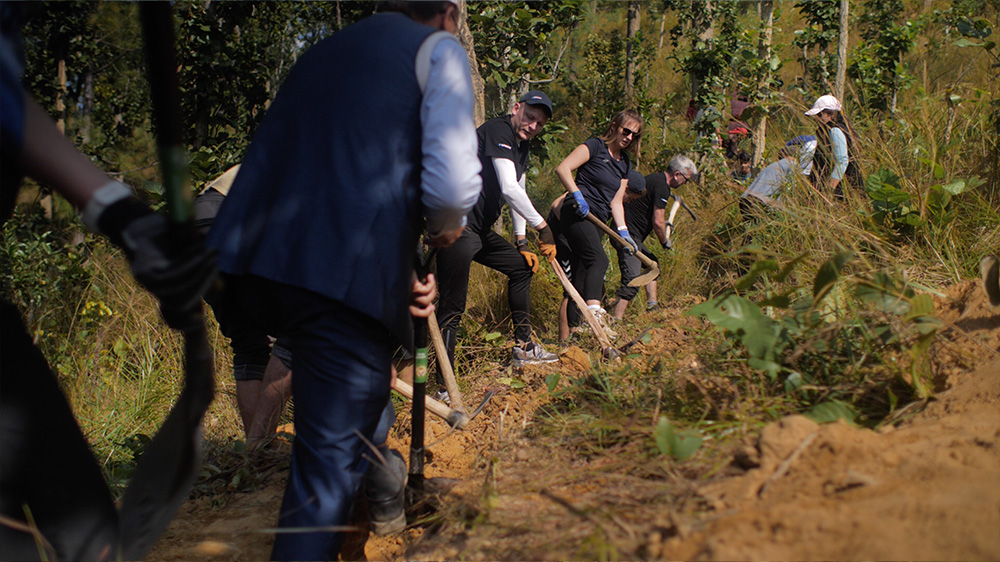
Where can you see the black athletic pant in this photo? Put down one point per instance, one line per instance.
(589, 262)
(630, 268)
(453, 263)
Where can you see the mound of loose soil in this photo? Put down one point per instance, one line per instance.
(925, 487)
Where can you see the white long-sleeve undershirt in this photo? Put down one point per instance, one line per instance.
(515, 193)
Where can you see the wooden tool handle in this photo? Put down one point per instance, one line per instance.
(643, 258)
(444, 363)
(588, 315)
(432, 405)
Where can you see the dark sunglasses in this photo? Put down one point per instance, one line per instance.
(626, 132)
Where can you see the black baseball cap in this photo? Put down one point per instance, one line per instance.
(537, 97)
(636, 182)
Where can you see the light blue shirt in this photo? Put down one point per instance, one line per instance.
(840, 160)
(765, 187)
(450, 180)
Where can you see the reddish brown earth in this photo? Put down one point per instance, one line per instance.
(926, 487)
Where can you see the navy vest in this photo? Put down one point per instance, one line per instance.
(328, 196)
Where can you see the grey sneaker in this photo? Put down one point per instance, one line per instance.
(532, 354)
(441, 395)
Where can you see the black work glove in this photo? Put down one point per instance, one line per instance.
(168, 259)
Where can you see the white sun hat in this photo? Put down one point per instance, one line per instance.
(824, 102)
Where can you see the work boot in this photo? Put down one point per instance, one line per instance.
(384, 488)
(532, 354)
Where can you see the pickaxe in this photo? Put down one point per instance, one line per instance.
(678, 203)
(448, 373)
(653, 268)
(453, 417)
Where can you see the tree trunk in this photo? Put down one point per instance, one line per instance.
(61, 96)
(632, 26)
(703, 25)
(842, 53)
(478, 86)
(663, 32)
(763, 53)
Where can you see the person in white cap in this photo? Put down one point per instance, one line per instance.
(833, 155)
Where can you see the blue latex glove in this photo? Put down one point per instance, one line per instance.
(582, 208)
(631, 248)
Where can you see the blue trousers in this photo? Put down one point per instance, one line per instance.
(340, 387)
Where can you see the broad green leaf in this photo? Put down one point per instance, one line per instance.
(756, 270)
(793, 382)
(685, 445)
(120, 348)
(664, 435)
(832, 411)
(921, 305)
(492, 336)
(955, 187)
(829, 272)
(677, 445)
(777, 301)
(963, 42)
(552, 381)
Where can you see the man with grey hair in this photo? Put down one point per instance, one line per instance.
(649, 214)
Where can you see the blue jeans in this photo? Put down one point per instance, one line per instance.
(340, 387)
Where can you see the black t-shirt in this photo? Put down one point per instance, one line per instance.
(600, 177)
(497, 139)
(639, 213)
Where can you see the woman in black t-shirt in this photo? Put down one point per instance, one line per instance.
(602, 165)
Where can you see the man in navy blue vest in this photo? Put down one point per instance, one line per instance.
(372, 129)
(503, 152)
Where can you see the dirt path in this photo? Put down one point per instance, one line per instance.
(927, 487)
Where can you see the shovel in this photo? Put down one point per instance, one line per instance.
(653, 269)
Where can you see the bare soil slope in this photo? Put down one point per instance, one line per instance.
(926, 487)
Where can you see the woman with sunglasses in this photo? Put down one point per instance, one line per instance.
(602, 165)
